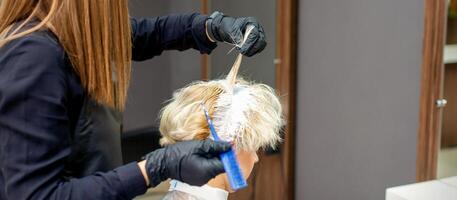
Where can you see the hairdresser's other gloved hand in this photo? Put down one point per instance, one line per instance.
(192, 162)
(229, 29)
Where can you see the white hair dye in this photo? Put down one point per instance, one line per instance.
(232, 106)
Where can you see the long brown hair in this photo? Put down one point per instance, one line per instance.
(95, 34)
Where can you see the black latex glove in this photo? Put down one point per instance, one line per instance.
(192, 162)
(229, 29)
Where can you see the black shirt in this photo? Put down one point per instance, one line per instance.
(42, 108)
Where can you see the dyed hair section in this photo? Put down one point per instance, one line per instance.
(250, 115)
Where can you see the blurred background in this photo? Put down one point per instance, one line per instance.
(367, 86)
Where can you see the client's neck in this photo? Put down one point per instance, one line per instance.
(219, 182)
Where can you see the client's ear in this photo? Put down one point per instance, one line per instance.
(256, 157)
(247, 160)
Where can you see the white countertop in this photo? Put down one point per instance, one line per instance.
(451, 181)
(442, 189)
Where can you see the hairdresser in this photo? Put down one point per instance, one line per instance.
(64, 74)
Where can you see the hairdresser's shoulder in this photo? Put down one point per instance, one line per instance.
(41, 45)
(39, 50)
(36, 54)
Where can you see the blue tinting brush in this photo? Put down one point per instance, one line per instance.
(231, 166)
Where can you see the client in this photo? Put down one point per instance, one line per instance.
(247, 114)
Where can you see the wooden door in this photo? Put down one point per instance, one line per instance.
(431, 89)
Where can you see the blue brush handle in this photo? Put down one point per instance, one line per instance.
(231, 166)
(233, 170)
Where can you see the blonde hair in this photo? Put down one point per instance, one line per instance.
(95, 34)
(183, 118)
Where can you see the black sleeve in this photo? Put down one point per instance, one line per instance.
(35, 133)
(151, 36)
